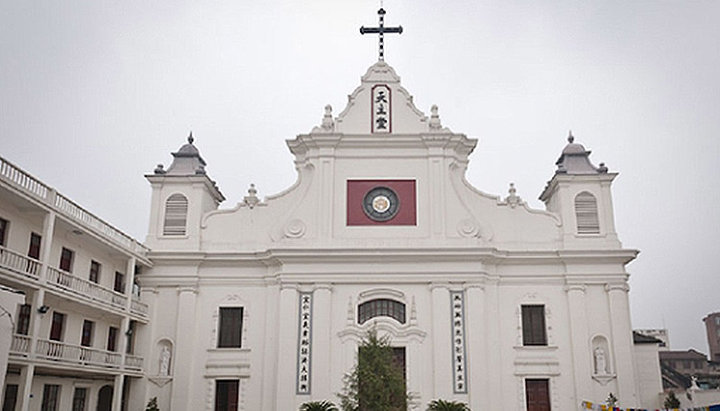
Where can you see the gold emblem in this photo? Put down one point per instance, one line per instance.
(380, 204)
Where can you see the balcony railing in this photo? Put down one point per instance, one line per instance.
(20, 345)
(35, 188)
(75, 354)
(138, 307)
(88, 289)
(133, 362)
(23, 180)
(19, 263)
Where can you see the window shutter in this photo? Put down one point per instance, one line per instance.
(230, 335)
(533, 325)
(176, 208)
(586, 213)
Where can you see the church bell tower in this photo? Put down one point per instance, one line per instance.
(180, 196)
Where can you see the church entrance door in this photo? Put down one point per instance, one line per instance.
(105, 396)
(537, 393)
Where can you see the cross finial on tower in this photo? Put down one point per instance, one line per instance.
(381, 30)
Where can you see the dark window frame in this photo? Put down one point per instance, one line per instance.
(58, 326)
(4, 230)
(381, 307)
(10, 397)
(230, 327)
(80, 401)
(86, 334)
(119, 282)
(67, 257)
(226, 395)
(23, 319)
(51, 397)
(34, 247)
(534, 327)
(112, 339)
(95, 269)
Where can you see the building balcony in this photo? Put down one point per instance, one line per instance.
(33, 188)
(19, 265)
(61, 353)
(25, 270)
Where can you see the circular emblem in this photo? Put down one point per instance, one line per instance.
(381, 204)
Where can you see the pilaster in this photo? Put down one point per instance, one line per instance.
(182, 387)
(321, 348)
(622, 343)
(477, 362)
(442, 350)
(287, 344)
(579, 340)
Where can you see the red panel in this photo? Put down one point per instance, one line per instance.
(405, 190)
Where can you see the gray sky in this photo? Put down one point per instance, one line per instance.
(94, 94)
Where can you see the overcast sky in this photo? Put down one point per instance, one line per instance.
(94, 94)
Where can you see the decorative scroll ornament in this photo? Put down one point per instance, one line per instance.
(457, 300)
(381, 106)
(304, 344)
(295, 228)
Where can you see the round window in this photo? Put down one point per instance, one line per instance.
(381, 204)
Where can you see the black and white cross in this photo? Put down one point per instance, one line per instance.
(381, 30)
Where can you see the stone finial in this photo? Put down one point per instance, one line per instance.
(190, 138)
(251, 199)
(200, 170)
(570, 138)
(512, 199)
(434, 118)
(159, 169)
(328, 124)
(602, 169)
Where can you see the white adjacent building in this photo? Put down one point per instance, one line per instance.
(261, 306)
(69, 340)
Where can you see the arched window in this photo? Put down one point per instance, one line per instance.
(586, 213)
(381, 307)
(176, 208)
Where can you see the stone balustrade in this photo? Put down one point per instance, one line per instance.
(34, 188)
(19, 264)
(84, 288)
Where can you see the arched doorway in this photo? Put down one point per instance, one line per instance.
(105, 398)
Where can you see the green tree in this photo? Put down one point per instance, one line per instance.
(318, 406)
(376, 383)
(442, 405)
(671, 401)
(152, 405)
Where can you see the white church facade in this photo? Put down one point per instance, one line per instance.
(262, 306)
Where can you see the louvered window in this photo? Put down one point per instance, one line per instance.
(176, 208)
(586, 213)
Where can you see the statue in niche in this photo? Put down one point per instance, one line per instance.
(600, 361)
(165, 361)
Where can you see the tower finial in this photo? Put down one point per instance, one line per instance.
(190, 138)
(571, 138)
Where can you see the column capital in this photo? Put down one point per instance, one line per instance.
(575, 287)
(476, 286)
(289, 286)
(617, 287)
(187, 289)
(433, 285)
(323, 286)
